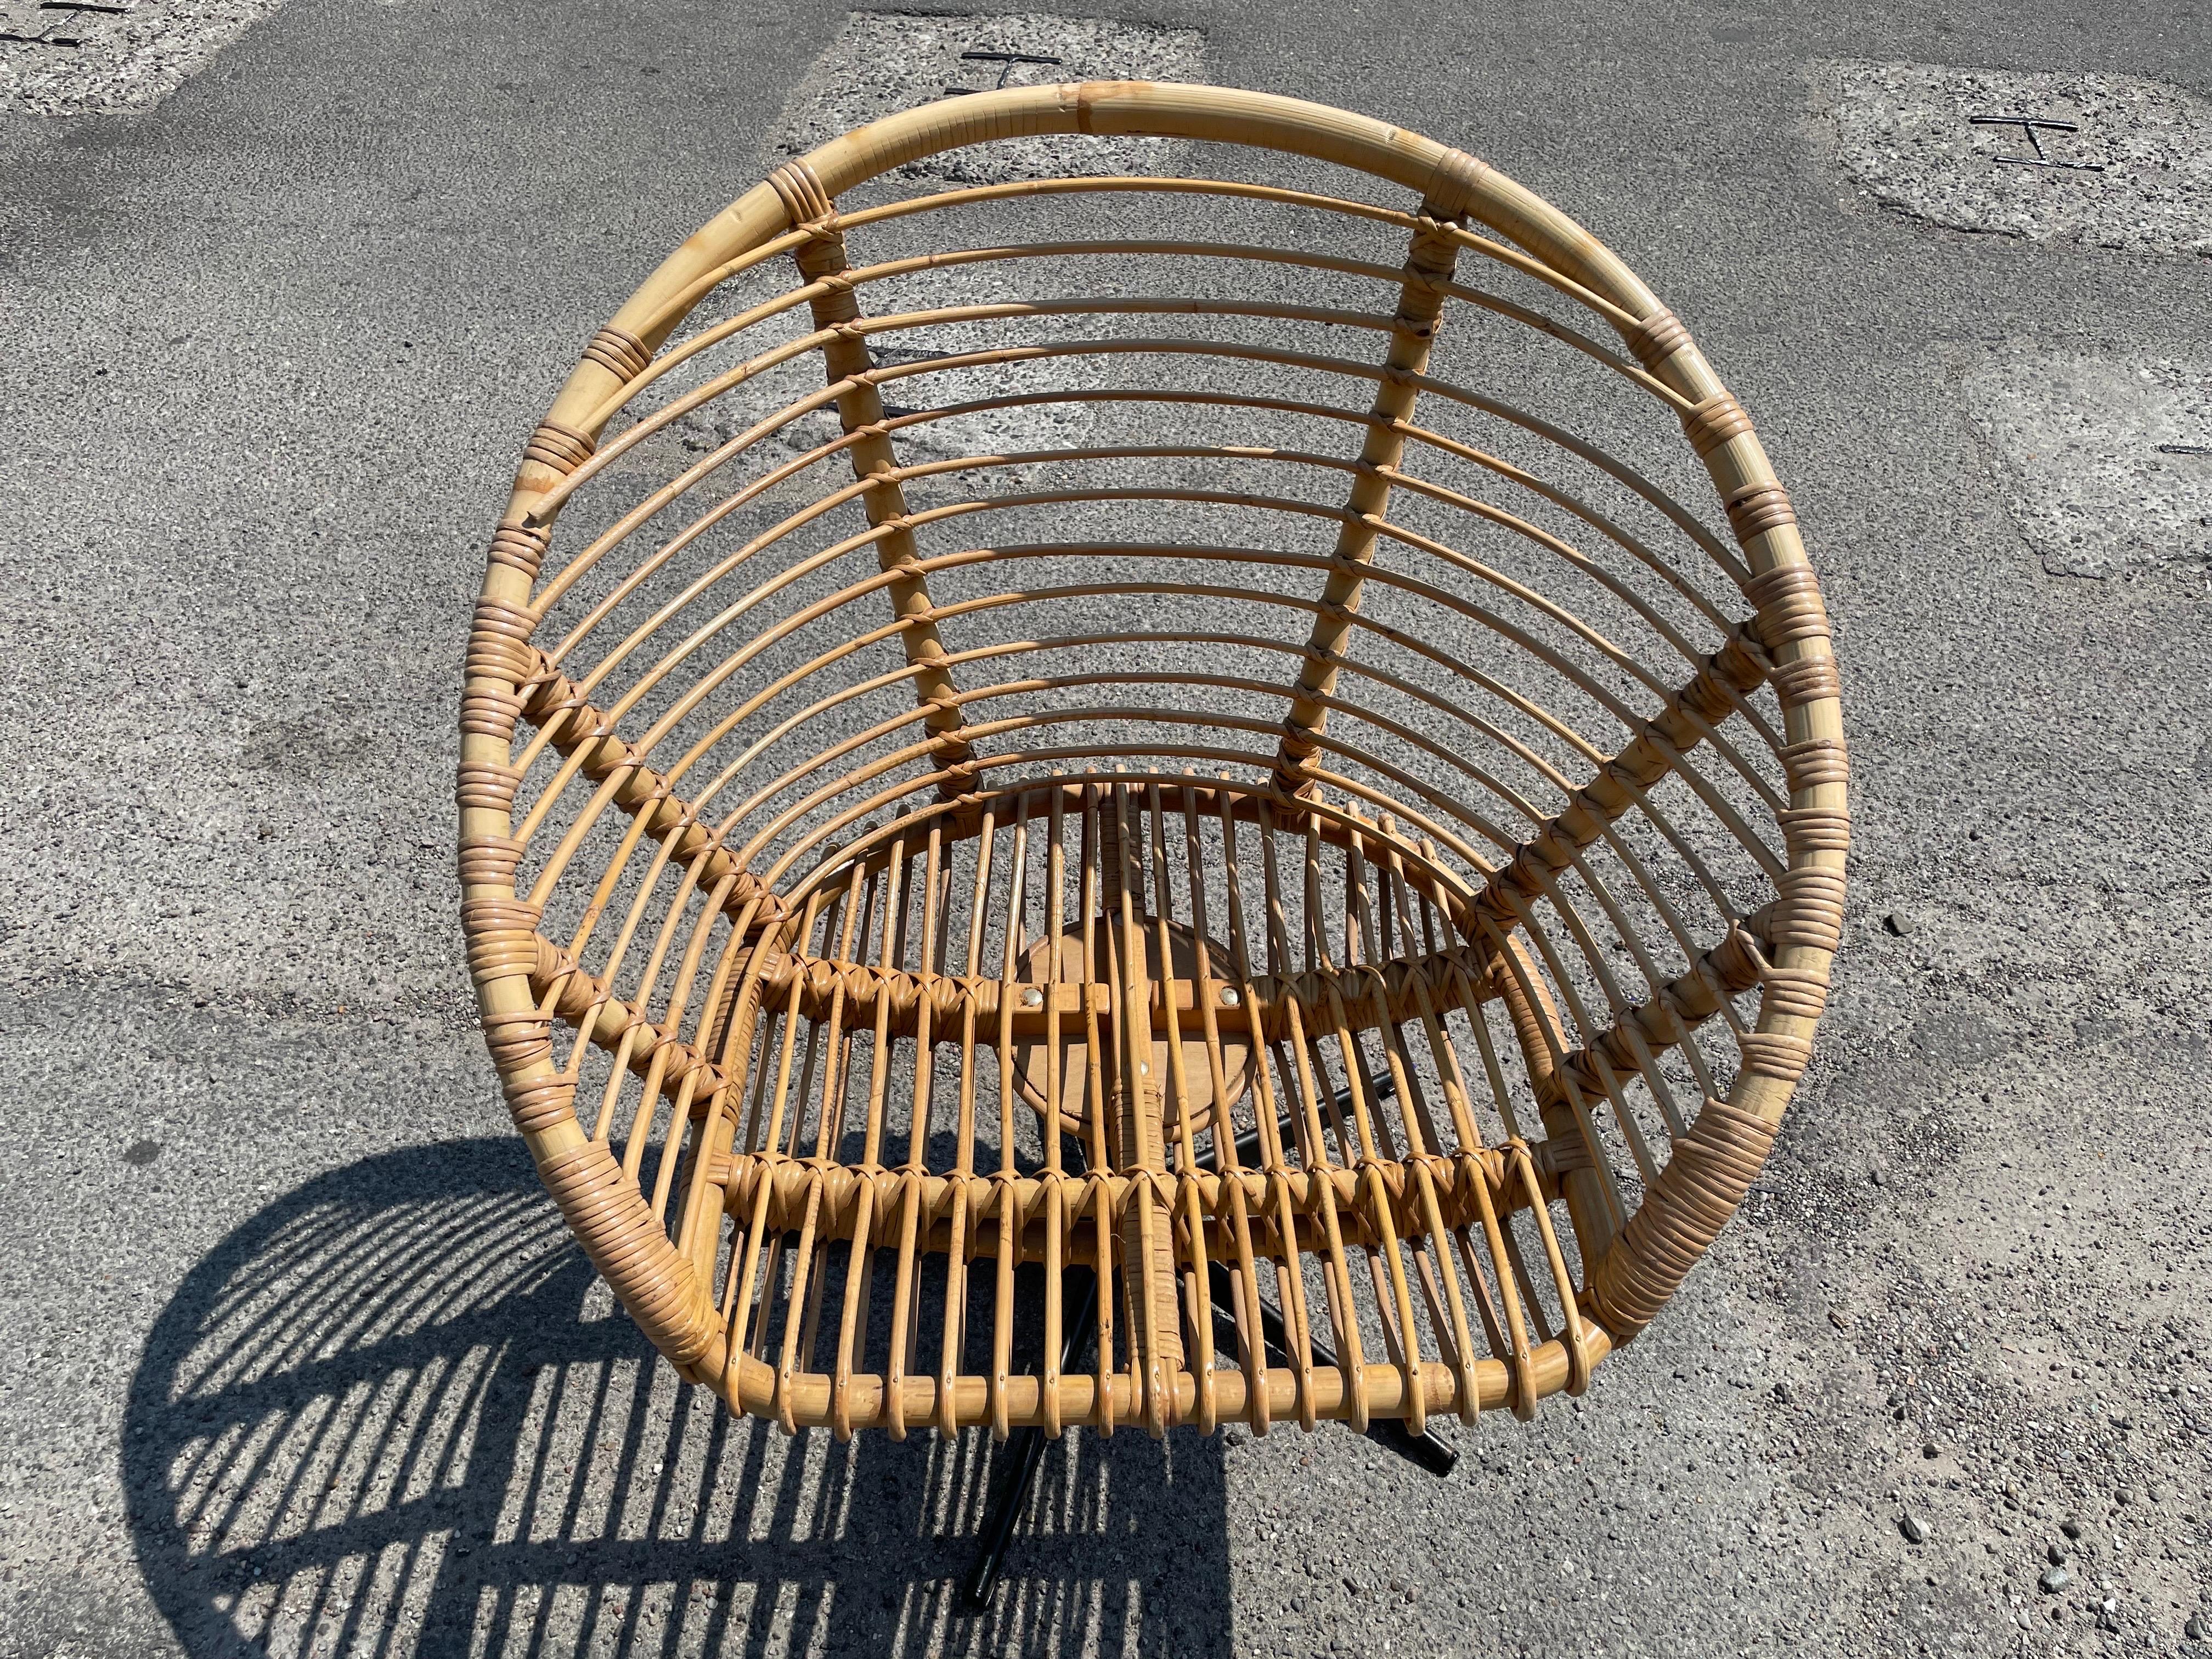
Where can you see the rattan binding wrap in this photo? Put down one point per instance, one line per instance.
(870, 906)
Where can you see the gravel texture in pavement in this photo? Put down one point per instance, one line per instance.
(2111, 161)
(2108, 465)
(63, 58)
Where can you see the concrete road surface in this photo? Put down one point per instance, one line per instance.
(293, 1357)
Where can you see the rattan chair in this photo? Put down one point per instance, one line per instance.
(1129, 722)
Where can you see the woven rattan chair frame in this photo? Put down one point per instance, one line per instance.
(1417, 957)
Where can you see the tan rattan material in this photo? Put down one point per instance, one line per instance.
(1308, 741)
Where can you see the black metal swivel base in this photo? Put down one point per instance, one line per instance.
(1024, 1449)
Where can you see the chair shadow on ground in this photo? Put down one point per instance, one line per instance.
(394, 1412)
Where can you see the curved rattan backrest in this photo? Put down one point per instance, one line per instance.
(1194, 725)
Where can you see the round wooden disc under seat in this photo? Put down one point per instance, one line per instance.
(1231, 1042)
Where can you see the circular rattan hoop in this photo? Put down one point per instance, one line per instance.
(1099, 741)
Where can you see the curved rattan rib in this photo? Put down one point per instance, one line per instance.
(1698, 727)
(672, 307)
(552, 500)
(752, 912)
(705, 339)
(1413, 434)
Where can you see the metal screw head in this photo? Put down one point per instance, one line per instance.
(1230, 998)
(1032, 997)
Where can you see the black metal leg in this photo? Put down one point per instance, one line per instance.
(1024, 1451)
(1427, 1448)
